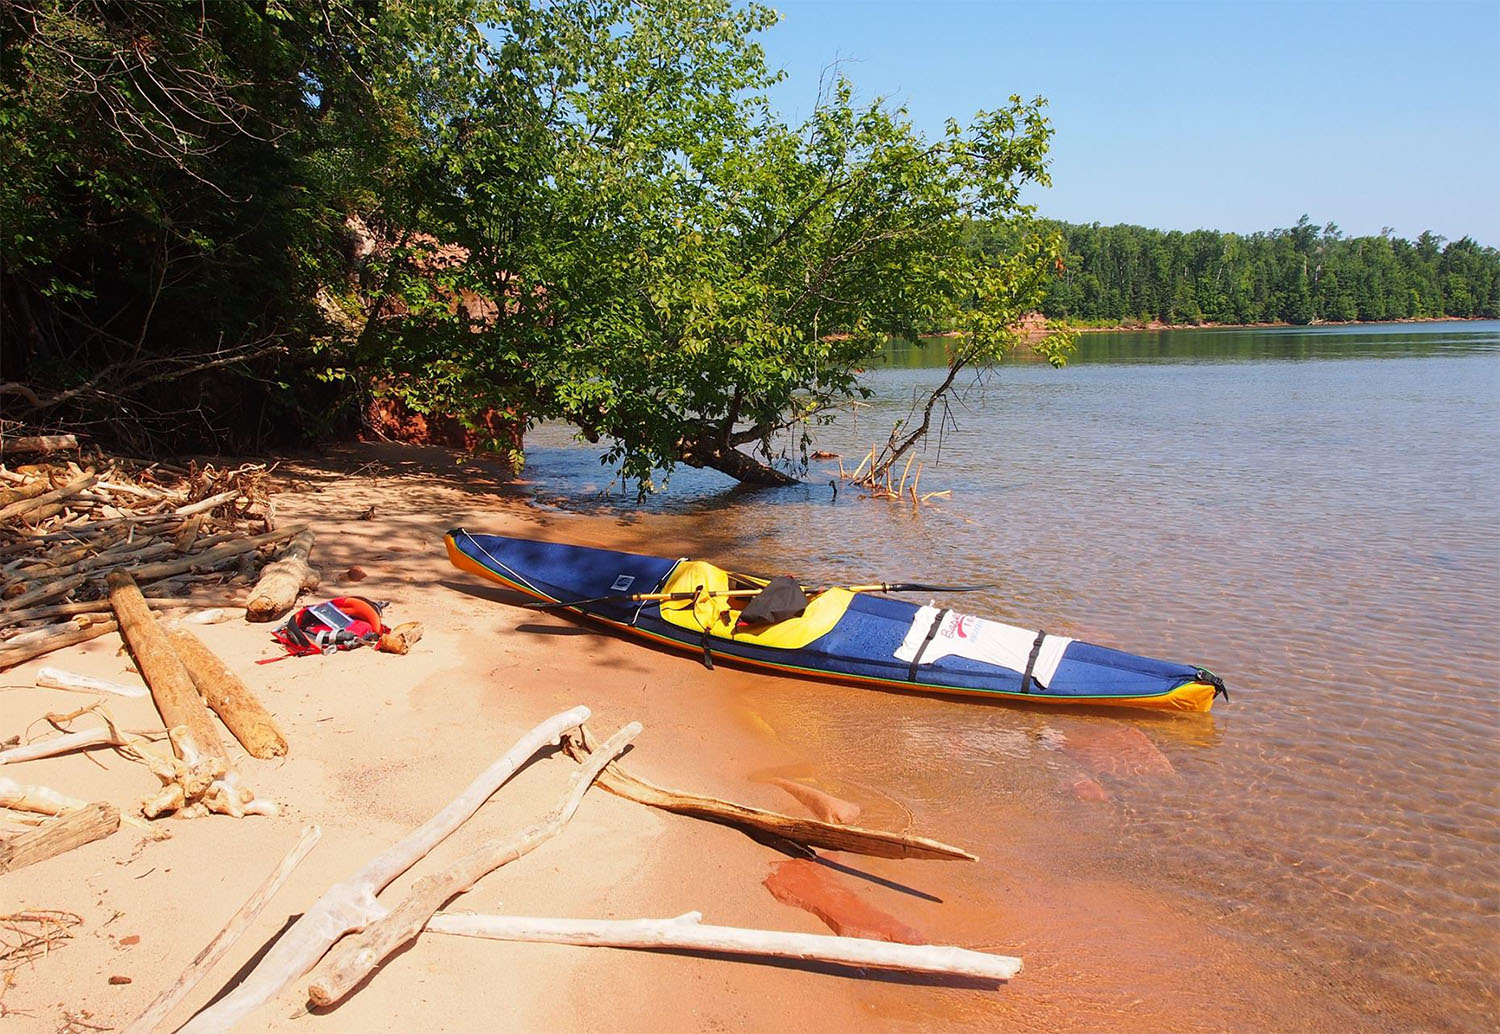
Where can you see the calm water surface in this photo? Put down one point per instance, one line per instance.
(1312, 513)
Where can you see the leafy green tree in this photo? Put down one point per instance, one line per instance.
(684, 277)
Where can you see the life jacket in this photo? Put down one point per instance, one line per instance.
(342, 623)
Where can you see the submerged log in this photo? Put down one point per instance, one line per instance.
(177, 699)
(237, 707)
(809, 832)
(688, 932)
(283, 580)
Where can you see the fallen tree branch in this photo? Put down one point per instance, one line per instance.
(687, 932)
(354, 959)
(351, 905)
(12, 617)
(810, 832)
(38, 443)
(225, 939)
(51, 590)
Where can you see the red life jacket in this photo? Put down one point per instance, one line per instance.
(342, 623)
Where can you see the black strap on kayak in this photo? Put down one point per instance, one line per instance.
(911, 673)
(1036, 648)
(708, 655)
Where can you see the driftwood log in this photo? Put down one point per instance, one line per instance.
(351, 905)
(356, 958)
(687, 932)
(215, 950)
(808, 832)
(177, 699)
(38, 443)
(400, 639)
(69, 830)
(283, 580)
(237, 707)
(11, 656)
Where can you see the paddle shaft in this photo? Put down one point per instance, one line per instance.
(664, 597)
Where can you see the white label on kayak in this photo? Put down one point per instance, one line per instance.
(991, 642)
(622, 583)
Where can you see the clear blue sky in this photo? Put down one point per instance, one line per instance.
(1236, 115)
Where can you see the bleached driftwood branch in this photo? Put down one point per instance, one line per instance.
(687, 932)
(225, 938)
(351, 905)
(353, 960)
(43, 800)
(107, 736)
(56, 678)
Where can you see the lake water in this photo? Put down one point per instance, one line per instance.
(1314, 514)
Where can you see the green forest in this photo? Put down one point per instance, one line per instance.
(247, 223)
(1130, 274)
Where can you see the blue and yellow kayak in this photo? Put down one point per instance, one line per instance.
(851, 636)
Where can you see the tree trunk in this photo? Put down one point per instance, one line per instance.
(738, 465)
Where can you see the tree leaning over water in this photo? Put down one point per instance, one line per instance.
(585, 210)
(685, 277)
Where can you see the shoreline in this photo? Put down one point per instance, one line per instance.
(379, 743)
(1157, 325)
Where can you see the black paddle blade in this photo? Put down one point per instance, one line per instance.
(923, 587)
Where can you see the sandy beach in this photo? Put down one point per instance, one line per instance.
(379, 743)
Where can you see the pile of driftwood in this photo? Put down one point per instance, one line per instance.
(65, 525)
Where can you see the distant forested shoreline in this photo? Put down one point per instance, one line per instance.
(1123, 275)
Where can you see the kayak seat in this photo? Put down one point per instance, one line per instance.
(720, 614)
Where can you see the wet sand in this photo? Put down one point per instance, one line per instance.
(378, 743)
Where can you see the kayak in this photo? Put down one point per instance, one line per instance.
(853, 634)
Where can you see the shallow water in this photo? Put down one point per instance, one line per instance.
(1312, 513)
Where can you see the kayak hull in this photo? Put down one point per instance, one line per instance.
(859, 638)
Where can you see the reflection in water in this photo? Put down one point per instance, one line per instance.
(1322, 532)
